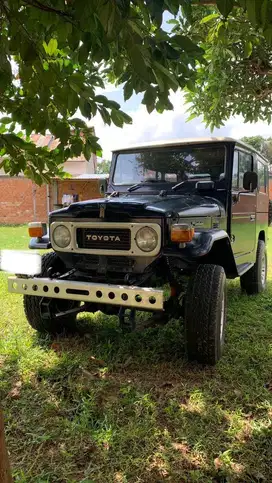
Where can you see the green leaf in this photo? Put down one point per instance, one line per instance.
(77, 146)
(268, 35)
(251, 6)
(105, 115)
(52, 46)
(225, 6)
(128, 90)
(5, 120)
(83, 54)
(116, 119)
(186, 44)
(210, 17)
(87, 151)
(73, 101)
(248, 49)
(139, 62)
(85, 108)
(173, 21)
(264, 9)
(101, 99)
(79, 123)
(191, 117)
(166, 73)
(113, 105)
(125, 117)
(150, 99)
(62, 131)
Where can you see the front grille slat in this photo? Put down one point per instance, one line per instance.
(103, 238)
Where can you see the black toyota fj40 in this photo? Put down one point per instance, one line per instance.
(183, 215)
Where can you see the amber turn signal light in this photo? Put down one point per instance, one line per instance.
(182, 233)
(36, 229)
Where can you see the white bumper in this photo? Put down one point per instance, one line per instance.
(127, 296)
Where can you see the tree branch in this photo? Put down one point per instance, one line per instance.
(46, 8)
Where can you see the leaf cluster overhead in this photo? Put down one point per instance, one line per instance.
(56, 54)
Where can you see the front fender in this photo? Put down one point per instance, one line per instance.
(211, 246)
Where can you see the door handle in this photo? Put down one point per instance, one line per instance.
(252, 217)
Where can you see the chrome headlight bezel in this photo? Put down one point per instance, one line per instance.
(66, 233)
(144, 245)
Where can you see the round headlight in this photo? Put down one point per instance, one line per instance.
(146, 239)
(61, 236)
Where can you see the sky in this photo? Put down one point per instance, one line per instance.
(168, 125)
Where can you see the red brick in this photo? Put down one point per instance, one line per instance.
(17, 201)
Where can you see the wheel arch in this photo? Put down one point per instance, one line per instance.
(262, 236)
(221, 254)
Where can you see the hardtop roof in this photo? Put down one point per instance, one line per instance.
(188, 141)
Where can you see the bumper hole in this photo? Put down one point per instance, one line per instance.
(124, 296)
(35, 288)
(138, 298)
(45, 288)
(99, 294)
(56, 289)
(14, 285)
(24, 286)
(111, 295)
(75, 291)
(152, 300)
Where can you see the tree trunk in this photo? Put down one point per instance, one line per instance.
(5, 473)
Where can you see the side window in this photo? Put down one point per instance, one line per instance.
(262, 177)
(245, 164)
(235, 170)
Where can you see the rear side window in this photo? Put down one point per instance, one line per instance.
(242, 162)
(262, 177)
(245, 164)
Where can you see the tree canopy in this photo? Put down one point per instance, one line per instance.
(261, 144)
(55, 54)
(103, 166)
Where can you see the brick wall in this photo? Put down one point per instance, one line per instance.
(21, 201)
(85, 189)
(17, 197)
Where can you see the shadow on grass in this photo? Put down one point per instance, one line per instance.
(127, 408)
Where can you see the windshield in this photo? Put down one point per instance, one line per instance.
(170, 165)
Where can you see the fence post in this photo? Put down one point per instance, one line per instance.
(5, 473)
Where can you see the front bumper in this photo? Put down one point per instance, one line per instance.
(141, 298)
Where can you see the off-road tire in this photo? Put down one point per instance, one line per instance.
(205, 314)
(32, 303)
(252, 281)
(270, 213)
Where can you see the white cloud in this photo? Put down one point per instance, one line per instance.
(169, 125)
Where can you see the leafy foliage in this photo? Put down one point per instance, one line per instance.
(264, 145)
(103, 167)
(236, 76)
(56, 54)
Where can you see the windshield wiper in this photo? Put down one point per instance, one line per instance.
(139, 185)
(177, 186)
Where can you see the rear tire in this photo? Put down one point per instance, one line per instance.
(205, 314)
(32, 303)
(254, 280)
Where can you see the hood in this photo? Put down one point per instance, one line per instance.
(151, 206)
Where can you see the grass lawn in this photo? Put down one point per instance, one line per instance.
(107, 407)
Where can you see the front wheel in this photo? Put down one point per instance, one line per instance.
(32, 303)
(205, 314)
(254, 280)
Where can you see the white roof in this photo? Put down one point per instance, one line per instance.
(178, 142)
(91, 176)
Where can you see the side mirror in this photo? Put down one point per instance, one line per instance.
(250, 181)
(204, 185)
